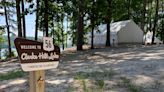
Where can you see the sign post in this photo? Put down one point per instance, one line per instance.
(36, 57)
(37, 81)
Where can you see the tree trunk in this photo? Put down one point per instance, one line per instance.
(46, 17)
(129, 6)
(66, 42)
(163, 31)
(80, 25)
(0, 52)
(155, 21)
(62, 32)
(149, 18)
(108, 20)
(8, 30)
(92, 24)
(23, 20)
(149, 26)
(92, 34)
(108, 35)
(143, 15)
(36, 22)
(163, 22)
(18, 18)
(67, 32)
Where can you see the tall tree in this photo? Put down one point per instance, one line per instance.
(155, 20)
(8, 29)
(163, 22)
(19, 18)
(92, 22)
(62, 18)
(36, 21)
(143, 15)
(129, 8)
(23, 19)
(46, 17)
(80, 30)
(108, 20)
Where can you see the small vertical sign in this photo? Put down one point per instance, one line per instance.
(48, 44)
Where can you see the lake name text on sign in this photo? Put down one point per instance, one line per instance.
(34, 57)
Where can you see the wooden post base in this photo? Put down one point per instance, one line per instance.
(37, 81)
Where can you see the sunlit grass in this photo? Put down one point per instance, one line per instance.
(12, 75)
(96, 77)
(131, 87)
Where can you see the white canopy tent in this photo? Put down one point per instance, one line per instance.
(1, 11)
(120, 32)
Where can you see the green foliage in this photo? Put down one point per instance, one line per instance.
(12, 75)
(62, 11)
(70, 89)
(1, 33)
(97, 79)
(130, 86)
(85, 89)
(101, 84)
(6, 54)
(95, 75)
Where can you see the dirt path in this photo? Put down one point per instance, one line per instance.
(143, 66)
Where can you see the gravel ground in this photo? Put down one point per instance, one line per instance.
(142, 65)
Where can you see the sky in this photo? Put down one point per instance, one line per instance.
(30, 24)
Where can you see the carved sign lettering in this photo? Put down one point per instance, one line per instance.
(33, 57)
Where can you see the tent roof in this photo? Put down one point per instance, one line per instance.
(114, 27)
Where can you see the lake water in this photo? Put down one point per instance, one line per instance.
(3, 51)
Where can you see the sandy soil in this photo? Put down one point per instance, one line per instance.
(143, 65)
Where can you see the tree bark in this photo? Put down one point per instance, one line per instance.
(36, 21)
(143, 15)
(18, 18)
(67, 32)
(92, 24)
(80, 26)
(62, 32)
(155, 21)
(163, 22)
(46, 17)
(163, 31)
(108, 34)
(108, 20)
(92, 33)
(23, 20)
(8, 30)
(129, 6)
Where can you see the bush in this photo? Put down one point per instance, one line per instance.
(6, 54)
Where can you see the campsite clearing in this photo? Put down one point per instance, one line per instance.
(123, 69)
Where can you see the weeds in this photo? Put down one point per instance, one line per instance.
(101, 84)
(97, 77)
(70, 89)
(131, 87)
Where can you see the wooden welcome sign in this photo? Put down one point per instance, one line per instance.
(35, 55)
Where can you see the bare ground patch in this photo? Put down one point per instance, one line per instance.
(123, 69)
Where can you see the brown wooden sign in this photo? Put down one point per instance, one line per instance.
(34, 57)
